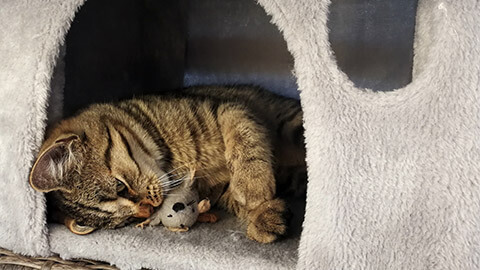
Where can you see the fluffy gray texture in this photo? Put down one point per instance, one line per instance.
(393, 176)
(206, 246)
(30, 35)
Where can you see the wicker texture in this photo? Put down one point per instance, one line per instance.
(10, 260)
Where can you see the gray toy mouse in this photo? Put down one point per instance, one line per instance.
(181, 209)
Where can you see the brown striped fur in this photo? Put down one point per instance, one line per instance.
(238, 139)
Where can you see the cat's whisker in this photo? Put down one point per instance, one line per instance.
(172, 173)
(172, 182)
(171, 185)
(172, 195)
(168, 189)
(165, 178)
(188, 165)
(169, 173)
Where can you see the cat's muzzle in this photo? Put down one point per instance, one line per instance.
(154, 196)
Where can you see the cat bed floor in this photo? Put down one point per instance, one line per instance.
(206, 246)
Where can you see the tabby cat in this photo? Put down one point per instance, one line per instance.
(115, 162)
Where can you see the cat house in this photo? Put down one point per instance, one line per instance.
(391, 114)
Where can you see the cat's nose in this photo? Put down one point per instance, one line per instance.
(178, 207)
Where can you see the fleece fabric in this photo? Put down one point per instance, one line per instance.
(222, 245)
(393, 177)
(31, 33)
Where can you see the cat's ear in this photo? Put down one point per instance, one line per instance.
(204, 206)
(52, 164)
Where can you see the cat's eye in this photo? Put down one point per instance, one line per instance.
(120, 186)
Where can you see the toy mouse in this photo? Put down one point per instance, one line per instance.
(181, 209)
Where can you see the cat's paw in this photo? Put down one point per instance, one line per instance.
(143, 224)
(267, 222)
(207, 218)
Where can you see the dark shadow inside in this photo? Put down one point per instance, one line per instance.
(116, 51)
(137, 47)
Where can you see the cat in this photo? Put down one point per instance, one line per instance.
(114, 162)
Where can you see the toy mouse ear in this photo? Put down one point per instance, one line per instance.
(204, 206)
(191, 181)
(52, 164)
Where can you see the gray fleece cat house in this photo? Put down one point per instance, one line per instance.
(394, 177)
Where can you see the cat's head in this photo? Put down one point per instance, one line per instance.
(101, 171)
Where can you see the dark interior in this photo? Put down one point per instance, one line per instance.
(134, 47)
(118, 49)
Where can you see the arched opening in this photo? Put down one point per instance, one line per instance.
(131, 48)
(143, 47)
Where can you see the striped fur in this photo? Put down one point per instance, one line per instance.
(128, 155)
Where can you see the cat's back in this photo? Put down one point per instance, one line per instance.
(263, 105)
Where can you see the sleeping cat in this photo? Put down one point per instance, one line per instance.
(115, 162)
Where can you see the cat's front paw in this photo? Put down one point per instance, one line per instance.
(207, 218)
(143, 224)
(267, 222)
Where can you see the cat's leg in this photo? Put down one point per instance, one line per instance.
(248, 156)
(265, 223)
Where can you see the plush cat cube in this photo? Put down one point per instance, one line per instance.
(393, 176)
